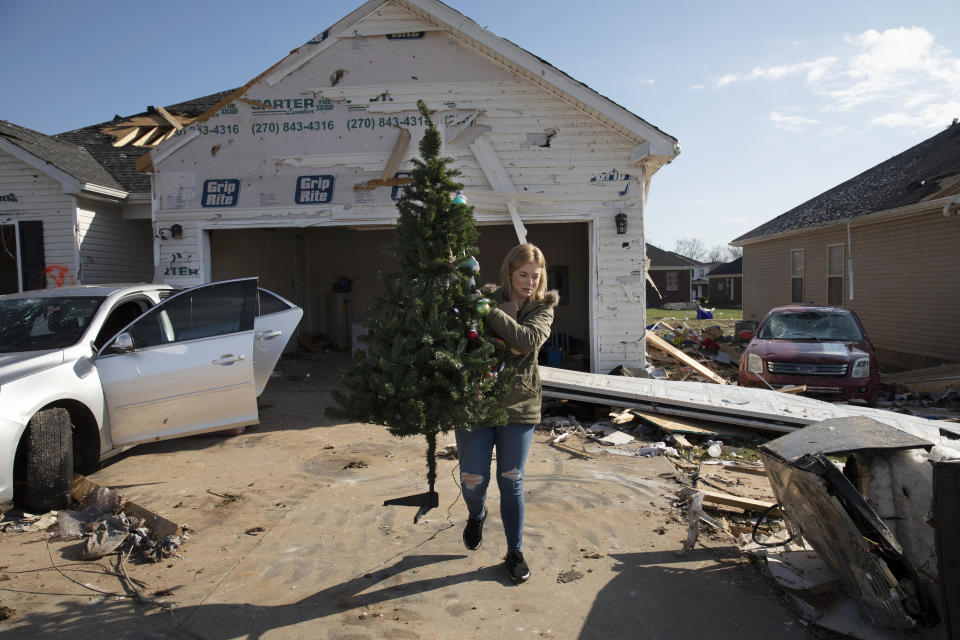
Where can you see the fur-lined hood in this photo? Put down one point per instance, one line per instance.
(495, 291)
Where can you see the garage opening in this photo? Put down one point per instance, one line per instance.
(331, 273)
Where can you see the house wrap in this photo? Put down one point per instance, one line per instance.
(294, 176)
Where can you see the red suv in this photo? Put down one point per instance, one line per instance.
(824, 348)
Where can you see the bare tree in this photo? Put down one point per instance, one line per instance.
(734, 252)
(690, 248)
(716, 253)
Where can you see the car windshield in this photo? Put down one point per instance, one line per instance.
(811, 325)
(45, 322)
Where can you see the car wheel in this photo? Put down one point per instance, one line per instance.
(48, 461)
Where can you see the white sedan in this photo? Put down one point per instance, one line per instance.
(87, 372)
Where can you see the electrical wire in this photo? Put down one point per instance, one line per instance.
(756, 526)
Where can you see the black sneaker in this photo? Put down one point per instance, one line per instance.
(473, 532)
(517, 566)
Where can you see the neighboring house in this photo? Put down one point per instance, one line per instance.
(64, 219)
(726, 284)
(700, 285)
(294, 177)
(74, 209)
(883, 243)
(673, 276)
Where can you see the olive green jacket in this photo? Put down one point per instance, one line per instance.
(524, 337)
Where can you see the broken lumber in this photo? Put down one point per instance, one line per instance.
(797, 388)
(665, 346)
(158, 526)
(727, 500)
(571, 450)
(940, 378)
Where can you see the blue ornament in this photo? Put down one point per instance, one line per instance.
(459, 198)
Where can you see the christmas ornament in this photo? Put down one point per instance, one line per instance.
(473, 334)
(459, 198)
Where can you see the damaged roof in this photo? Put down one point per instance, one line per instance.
(100, 140)
(928, 170)
(71, 159)
(660, 258)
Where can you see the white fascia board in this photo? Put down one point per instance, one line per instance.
(302, 55)
(660, 143)
(110, 192)
(70, 184)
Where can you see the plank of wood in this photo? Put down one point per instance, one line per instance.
(169, 117)
(665, 346)
(399, 148)
(797, 388)
(571, 450)
(940, 372)
(158, 526)
(747, 504)
(691, 427)
(754, 471)
(126, 138)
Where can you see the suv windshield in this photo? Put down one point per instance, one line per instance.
(811, 325)
(46, 322)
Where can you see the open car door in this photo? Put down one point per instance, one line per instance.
(185, 366)
(276, 321)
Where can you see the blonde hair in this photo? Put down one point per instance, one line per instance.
(517, 257)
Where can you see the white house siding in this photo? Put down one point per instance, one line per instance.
(573, 166)
(39, 197)
(113, 249)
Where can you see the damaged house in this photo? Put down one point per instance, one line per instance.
(883, 243)
(294, 176)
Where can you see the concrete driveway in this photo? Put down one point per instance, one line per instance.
(290, 540)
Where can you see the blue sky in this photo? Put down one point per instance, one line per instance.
(773, 102)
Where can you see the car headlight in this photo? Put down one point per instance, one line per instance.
(755, 364)
(861, 368)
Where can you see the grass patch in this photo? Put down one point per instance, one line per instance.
(691, 314)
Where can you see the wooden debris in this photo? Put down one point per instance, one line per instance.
(621, 418)
(571, 450)
(676, 425)
(725, 499)
(940, 378)
(158, 526)
(663, 345)
(754, 471)
(797, 388)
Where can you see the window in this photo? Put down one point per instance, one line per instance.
(203, 312)
(796, 275)
(835, 275)
(673, 281)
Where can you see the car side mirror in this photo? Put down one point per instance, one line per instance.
(122, 344)
(745, 334)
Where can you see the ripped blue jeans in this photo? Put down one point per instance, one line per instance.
(475, 449)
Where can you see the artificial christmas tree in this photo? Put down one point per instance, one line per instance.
(429, 366)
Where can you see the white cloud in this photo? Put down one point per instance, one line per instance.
(895, 78)
(738, 219)
(813, 71)
(698, 87)
(791, 123)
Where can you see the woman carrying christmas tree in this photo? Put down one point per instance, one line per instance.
(522, 318)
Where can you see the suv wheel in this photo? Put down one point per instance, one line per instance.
(48, 461)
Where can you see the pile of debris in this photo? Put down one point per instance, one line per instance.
(107, 523)
(682, 353)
